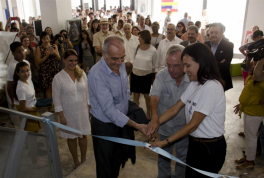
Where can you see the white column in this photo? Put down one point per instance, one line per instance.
(20, 9)
(2, 15)
(54, 14)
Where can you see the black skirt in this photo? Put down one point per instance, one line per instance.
(140, 84)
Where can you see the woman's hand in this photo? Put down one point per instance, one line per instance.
(63, 121)
(159, 144)
(237, 108)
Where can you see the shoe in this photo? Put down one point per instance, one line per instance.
(246, 165)
(241, 160)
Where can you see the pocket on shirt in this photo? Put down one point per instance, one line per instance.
(166, 99)
(116, 96)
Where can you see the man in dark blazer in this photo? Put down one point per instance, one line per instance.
(223, 51)
(192, 33)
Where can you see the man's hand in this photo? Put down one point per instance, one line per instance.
(142, 128)
(222, 61)
(153, 126)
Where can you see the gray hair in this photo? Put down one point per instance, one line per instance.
(173, 49)
(127, 24)
(172, 24)
(108, 42)
(193, 27)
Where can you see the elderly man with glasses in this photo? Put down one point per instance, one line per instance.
(164, 45)
(169, 85)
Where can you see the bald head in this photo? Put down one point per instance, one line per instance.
(114, 52)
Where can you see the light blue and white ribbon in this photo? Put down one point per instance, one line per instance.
(135, 143)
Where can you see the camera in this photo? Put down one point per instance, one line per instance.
(256, 50)
(60, 40)
(65, 36)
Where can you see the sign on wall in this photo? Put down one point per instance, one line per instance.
(171, 5)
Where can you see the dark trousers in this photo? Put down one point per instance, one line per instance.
(107, 154)
(205, 156)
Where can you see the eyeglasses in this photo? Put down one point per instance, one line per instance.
(170, 29)
(179, 26)
(174, 67)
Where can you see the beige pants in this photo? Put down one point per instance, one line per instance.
(251, 126)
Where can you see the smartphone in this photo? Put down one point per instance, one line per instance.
(13, 18)
(50, 48)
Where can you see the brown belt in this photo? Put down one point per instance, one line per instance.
(202, 140)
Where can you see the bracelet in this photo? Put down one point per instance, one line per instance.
(168, 141)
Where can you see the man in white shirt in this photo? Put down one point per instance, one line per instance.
(166, 21)
(142, 25)
(19, 55)
(192, 34)
(131, 44)
(185, 20)
(115, 19)
(164, 46)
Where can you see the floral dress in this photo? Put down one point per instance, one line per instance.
(48, 69)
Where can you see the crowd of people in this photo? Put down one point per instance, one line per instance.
(183, 74)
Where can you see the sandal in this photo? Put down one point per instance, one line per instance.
(246, 165)
(242, 134)
(241, 160)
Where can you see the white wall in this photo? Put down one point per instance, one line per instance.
(2, 13)
(254, 16)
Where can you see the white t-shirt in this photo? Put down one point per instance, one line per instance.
(249, 39)
(10, 73)
(26, 92)
(208, 99)
(145, 61)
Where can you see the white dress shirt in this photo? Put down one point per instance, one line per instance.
(131, 46)
(146, 28)
(162, 51)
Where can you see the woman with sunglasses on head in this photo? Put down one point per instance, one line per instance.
(86, 51)
(205, 107)
(181, 28)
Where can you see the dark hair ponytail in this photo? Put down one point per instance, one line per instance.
(16, 77)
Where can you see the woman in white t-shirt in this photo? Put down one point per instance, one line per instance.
(24, 93)
(249, 38)
(143, 67)
(205, 107)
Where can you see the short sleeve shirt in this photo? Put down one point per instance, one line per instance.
(208, 99)
(169, 93)
(26, 92)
